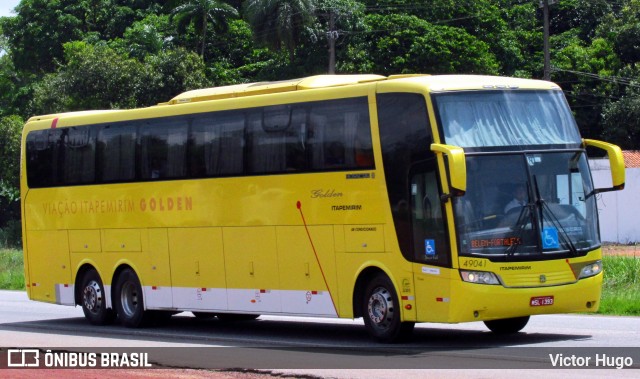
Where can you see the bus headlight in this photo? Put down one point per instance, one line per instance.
(591, 269)
(480, 277)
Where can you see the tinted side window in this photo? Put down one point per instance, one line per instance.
(267, 136)
(116, 153)
(217, 144)
(41, 153)
(163, 149)
(341, 135)
(78, 154)
(304, 137)
(318, 136)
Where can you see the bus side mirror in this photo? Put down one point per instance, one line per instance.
(457, 167)
(616, 162)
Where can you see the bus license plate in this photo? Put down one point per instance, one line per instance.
(541, 301)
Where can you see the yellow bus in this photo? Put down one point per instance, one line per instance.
(397, 199)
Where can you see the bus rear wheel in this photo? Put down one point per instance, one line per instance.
(507, 325)
(381, 312)
(129, 302)
(94, 304)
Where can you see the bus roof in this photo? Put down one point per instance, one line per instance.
(251, 89)
(433, 83)
(394, 83)
(443, 83)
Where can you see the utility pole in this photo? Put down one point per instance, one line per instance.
(544, 4)
(332, 36)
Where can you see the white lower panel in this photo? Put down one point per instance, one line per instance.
(308, 303)
(158, 297)
(257, 301)
(254, 301)
(202, 299)
(64, 294)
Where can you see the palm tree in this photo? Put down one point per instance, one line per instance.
(278, 24)
(200, 13)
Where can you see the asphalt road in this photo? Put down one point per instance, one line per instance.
(546, 348)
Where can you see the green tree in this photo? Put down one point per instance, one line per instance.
(10, 130)
(621, 121)
(94, 77)
(102, 77)
(278, 24)
(170, 73)
(407, 44)
(583, 72)
(200, 13)
(40, 28)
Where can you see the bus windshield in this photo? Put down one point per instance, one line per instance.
(506, 118)
(527, 206)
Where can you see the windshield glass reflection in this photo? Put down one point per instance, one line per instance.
(524, 205)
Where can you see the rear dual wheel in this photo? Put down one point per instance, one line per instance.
(94, 302)
(129, 300)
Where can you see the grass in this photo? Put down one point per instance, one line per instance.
(620, 291)
(11, 269)
(621, 287)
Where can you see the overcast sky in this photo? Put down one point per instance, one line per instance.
(6, 7)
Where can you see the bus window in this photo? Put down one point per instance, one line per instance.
(217, 144)
(163, 149)
(116, 153)
(78, 155)
(341, 135)
(41, 154)
(267, 149)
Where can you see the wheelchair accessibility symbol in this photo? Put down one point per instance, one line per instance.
(550, 238)
(430, 247)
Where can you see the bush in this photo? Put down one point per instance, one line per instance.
(11, 235)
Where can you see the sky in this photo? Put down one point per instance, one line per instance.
(6, 7)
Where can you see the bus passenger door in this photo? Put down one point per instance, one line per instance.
(430, 243)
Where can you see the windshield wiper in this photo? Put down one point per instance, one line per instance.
(520, 225)
(542, 205)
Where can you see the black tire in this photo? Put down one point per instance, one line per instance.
(381, 312)
(507, 325)
(129, 301)
(93, 300)
(233, 317)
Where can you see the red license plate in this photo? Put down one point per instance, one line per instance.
(541, 301)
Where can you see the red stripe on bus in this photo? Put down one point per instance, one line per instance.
(313, 247)
(54, 123)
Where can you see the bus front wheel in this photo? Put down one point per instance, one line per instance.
(94, 303)
(382, 313)
(129, 300)
(507, 325)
